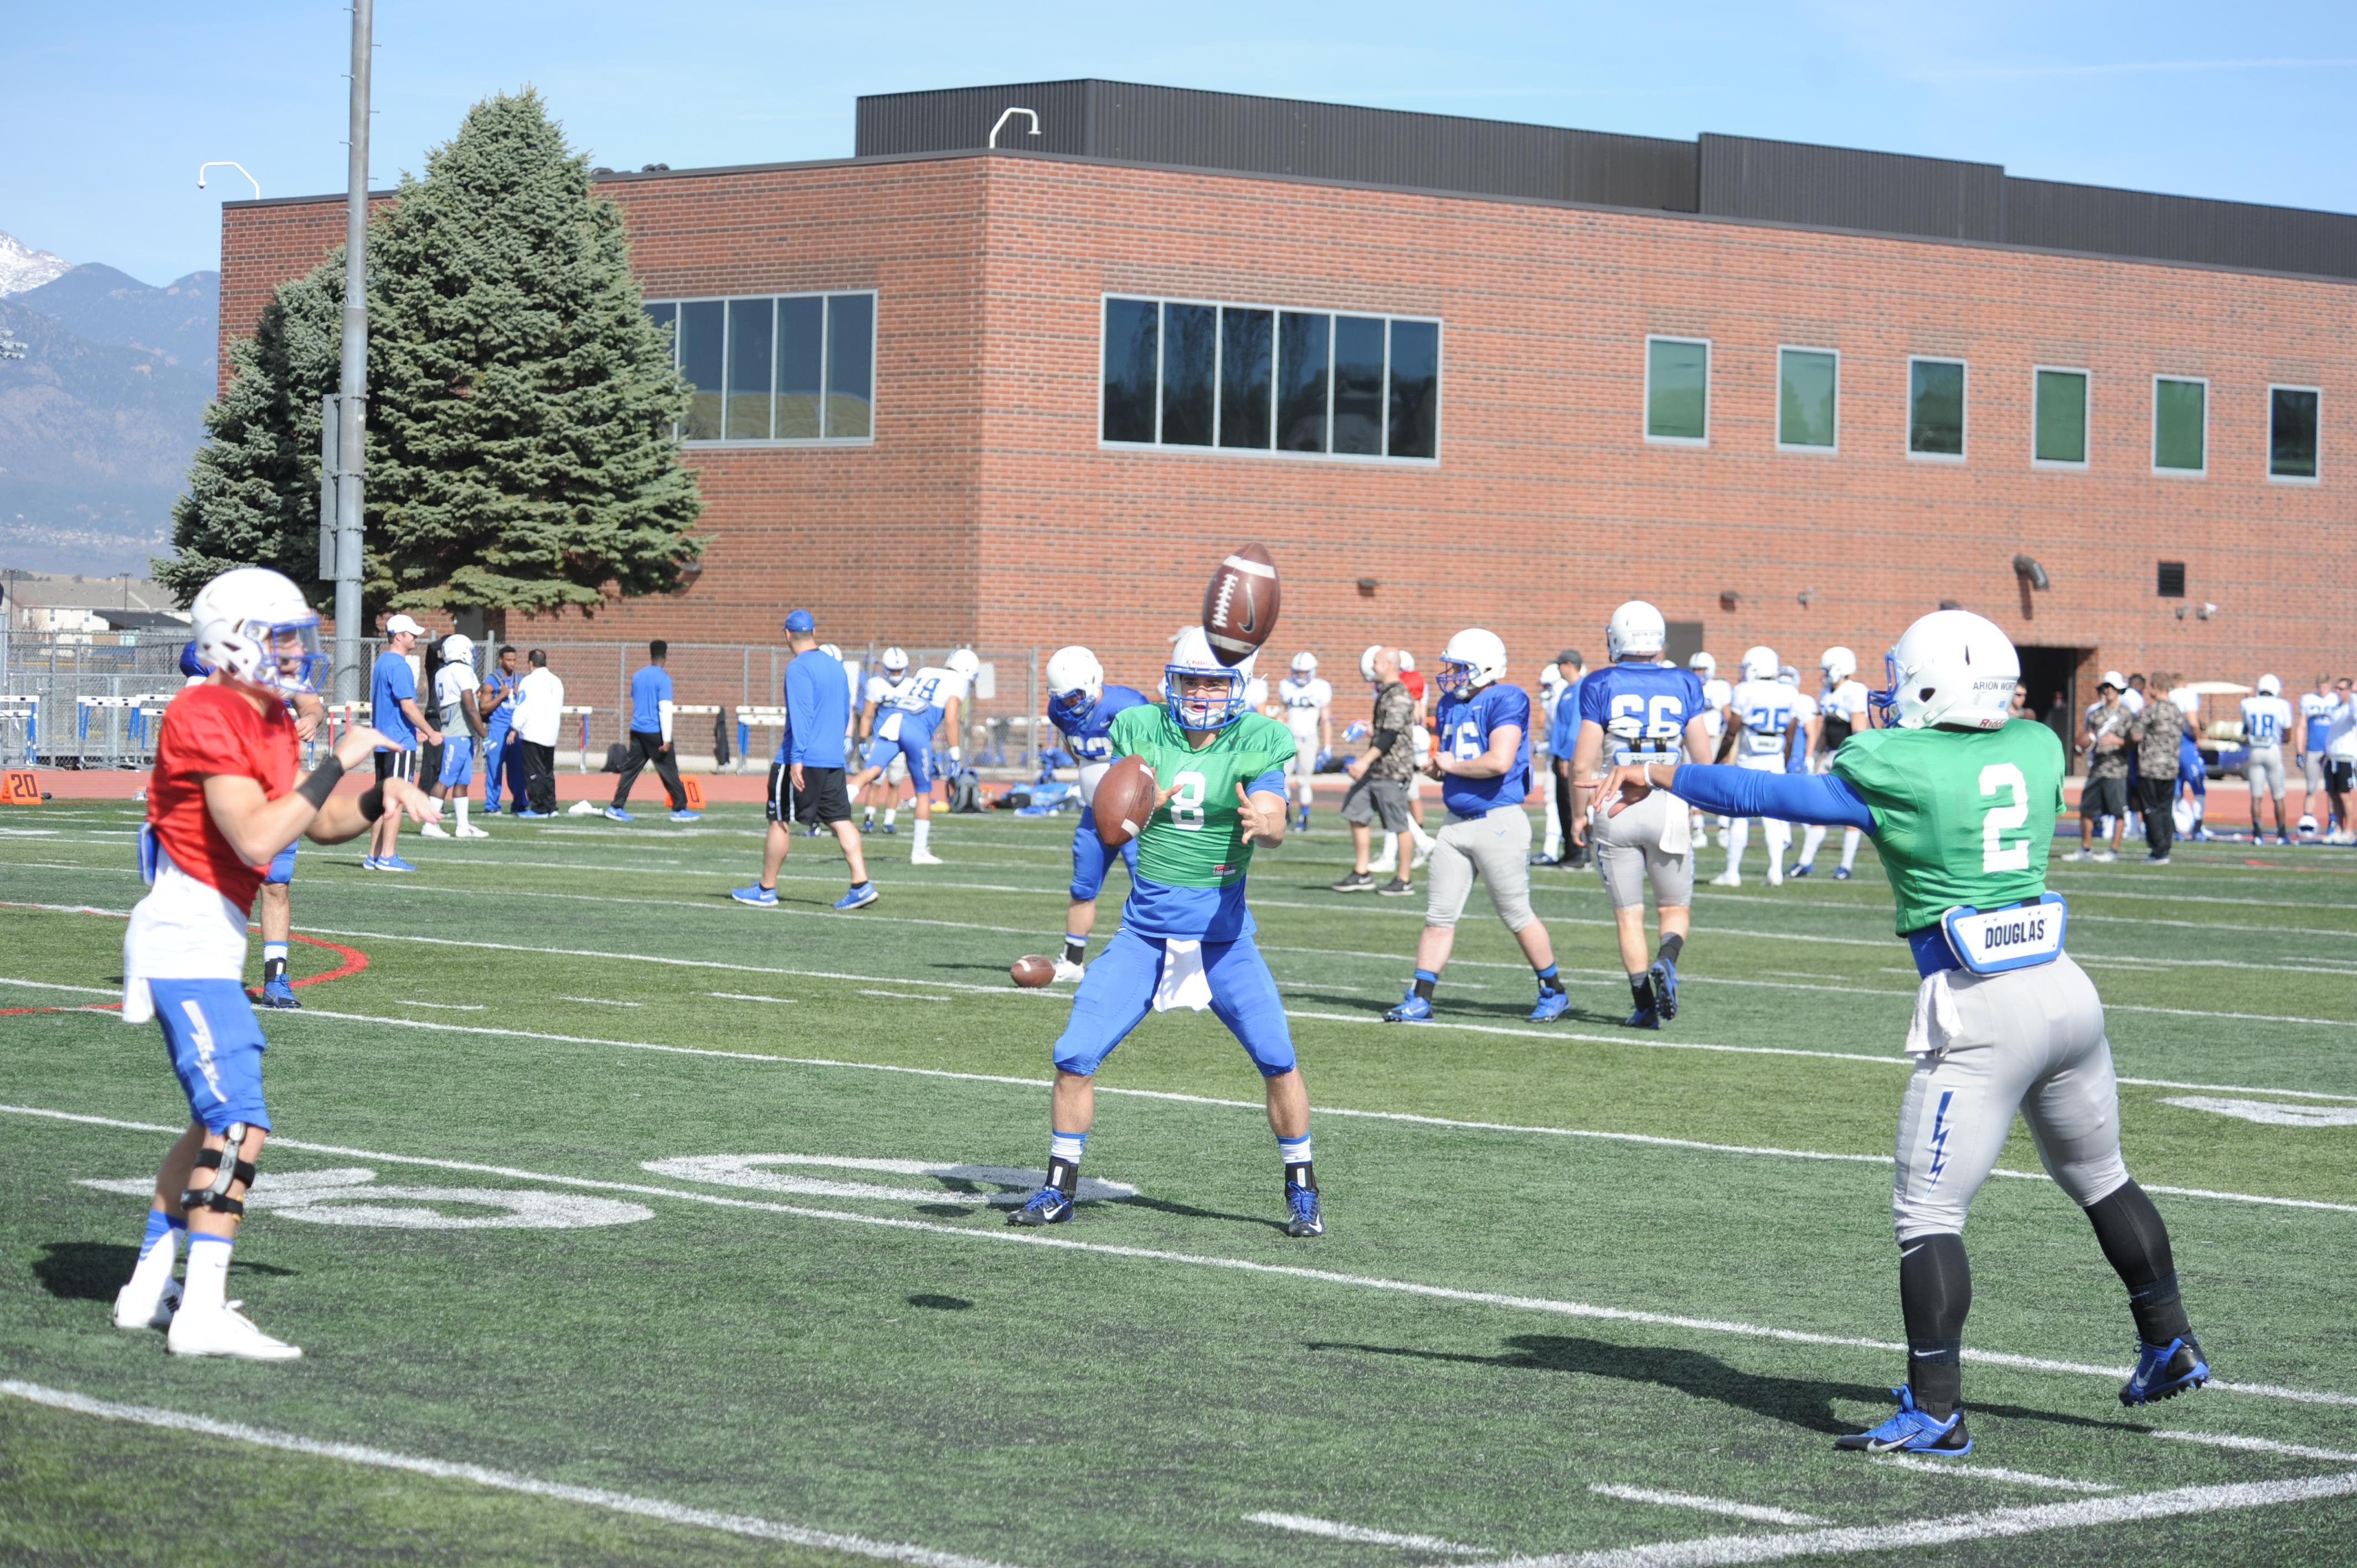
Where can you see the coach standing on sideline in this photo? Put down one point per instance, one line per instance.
(806, 780)
(539, 713)
(2157, 729)
(393, 714)
(1562, 720)
(651, 721)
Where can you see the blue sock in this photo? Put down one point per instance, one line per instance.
(1064, 1160)
(1425, 980)
(1547, 981)
(160, 1226)
(1295, 1153)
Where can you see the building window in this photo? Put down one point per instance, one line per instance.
(2059, 420)
(775, 368)
(2172, 580)
(2291, 433)
(1678, 391)
(1251, 378)
(2180, 425)
(1808, 399)
(1935, 410)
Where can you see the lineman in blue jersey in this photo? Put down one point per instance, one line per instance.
(1961, 799)
(1481, 755)
(1186, 937)
(1638, 709)
(1082, 708)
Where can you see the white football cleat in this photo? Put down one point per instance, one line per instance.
(228, 1332)
(471, 831)
(433, 830)
(128, 1313)
(1067, 969)
(1775, 875)
(924, 857)
(1728, 879)
(1390, 861)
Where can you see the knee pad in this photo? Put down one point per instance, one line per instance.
(228, 1171)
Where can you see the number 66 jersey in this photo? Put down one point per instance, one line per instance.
(1961, 817)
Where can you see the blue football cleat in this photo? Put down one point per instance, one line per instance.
(1303, 824)
(278, 994)
(1301, 1206)
(760, 897)
(1665, 976)
(1642, 1018)
(1805, 869)
(616, 814)
(1842, 873)
(2164, 1371)
(393, 862)
(532, 816)
(1912, 1432)
(1553, 1005)
(858, 897)
(1049, 1205)
(867, 825)
(1413, 1009)
(687, 816)
(890, 827)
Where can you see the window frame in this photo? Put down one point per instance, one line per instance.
(2086, 413)
(826, 334)
(1963, 413)
(1645, 404)
(1833, 448)
(1277, 312)
(2158, 472)
(2274, 477)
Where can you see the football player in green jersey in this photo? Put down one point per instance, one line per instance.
(1961, 800)
(1186, 937)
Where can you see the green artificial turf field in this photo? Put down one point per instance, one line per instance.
(622, 1224)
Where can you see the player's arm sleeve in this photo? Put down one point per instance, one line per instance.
(802, 709)
(1825, 799)
(665, 709)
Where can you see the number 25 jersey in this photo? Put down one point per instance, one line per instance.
(1960, 816)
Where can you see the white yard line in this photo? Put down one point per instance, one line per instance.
(2257, 1446)
(743, 996)
(1917, 1537)
(1334, 1530)
(904, 996)
(1755, 1512)
(1931, 1467)
(1000, 1235)
(600, 1002)
(442, 1006)
(500, 1480)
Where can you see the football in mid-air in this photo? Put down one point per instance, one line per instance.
(1033, 971)
(1240, 605)
(1125, 798)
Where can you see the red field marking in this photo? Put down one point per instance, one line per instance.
(354, 960)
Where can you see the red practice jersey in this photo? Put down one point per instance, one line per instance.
(210, 729)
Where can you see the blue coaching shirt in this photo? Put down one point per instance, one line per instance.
(818, 711)
(1089, 737)
(1462, 729)
(649, 689)
(1563, 725)
(389, 683)
(1649, 693)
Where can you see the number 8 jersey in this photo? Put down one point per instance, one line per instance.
(1196, 838)
(1961, 817)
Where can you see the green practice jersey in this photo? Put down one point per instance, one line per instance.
(1196, 838)
(1961, 816)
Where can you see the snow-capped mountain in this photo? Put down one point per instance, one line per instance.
(22, 267)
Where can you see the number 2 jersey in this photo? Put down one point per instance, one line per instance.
(1192, 856)
(1960, 816)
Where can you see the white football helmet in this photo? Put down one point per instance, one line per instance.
(1635, 631)
(1473, 658)
(1191, 656)
(895, 662)
(1408, 660)
(1952, 667)
(1075, 681)
(966, 662)
(1703, 665)
(1367, 662)
(1789, 675)
(831, 650)
(458, 648)
(1840, 664)
(2270, 687)
(256, 625)
(1305, 664)
(1760, 663)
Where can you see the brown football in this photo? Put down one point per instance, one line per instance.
(1125, 798)
(1033, 971)
(1240, 606)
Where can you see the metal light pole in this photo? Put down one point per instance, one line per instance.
(352, 390)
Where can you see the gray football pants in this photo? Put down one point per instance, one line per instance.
(1498, 846)
(2031, 1041)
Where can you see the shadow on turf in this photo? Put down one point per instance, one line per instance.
(95, 1271)
(1456, 1009)
(1798, 1401)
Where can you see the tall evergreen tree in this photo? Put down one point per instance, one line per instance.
(521, 411)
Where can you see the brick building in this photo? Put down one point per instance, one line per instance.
(1455, 372)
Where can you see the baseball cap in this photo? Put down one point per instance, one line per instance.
(800, 621)
(400, 623)
(2114, 679)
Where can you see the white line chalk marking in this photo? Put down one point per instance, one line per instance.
(1334, 1530)
(1755, 1512)
(743, 996)
(441, 1006)
(2269, 1115)
(904, 996)
(501, 1480)
(601, 1002)
(2259, 1445)
(1989, 1473)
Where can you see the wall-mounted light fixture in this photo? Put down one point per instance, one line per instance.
(2030, 571)
(1367, 586)
(1010, 114)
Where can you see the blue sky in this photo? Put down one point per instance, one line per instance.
(110, 110)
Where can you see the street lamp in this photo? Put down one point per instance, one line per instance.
(224, 163)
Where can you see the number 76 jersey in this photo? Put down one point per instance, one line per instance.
(1960, 816)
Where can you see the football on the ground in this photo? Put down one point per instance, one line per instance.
(1125, 798)
(1240, 605)
(1033, 971)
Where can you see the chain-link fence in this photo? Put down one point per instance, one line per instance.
(92, 700)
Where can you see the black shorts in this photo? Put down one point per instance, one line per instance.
(2339, 772)
(1836, 731)
(401, 765)
(821, 800)
(2105, 798)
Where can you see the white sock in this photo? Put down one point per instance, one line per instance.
(1779, 839)
(1849, 847)
(1422, 838)
(924, 831)
(890, 813)
(1810, 842)
(1738, 838)
(870, 816)
(154, 1270)
(460, 801)
(206, 1288)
